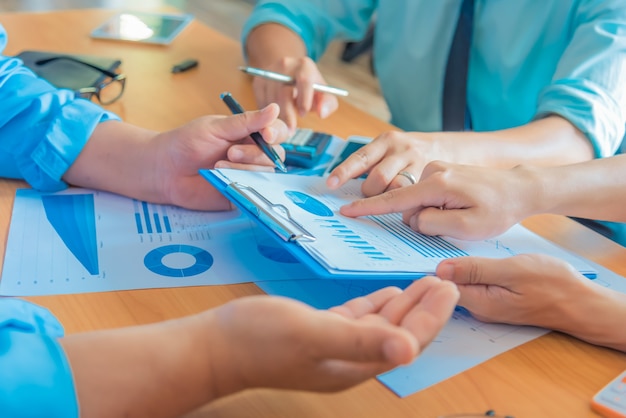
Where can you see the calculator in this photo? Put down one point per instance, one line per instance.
(305, 147)
(610, 401)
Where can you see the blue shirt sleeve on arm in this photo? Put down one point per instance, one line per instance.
(35, 376)
(42, 128)
(317, 22)
(589, 85)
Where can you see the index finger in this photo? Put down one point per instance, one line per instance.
(358, 163)
(418, 196)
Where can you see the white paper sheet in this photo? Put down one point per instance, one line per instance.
(87, 241)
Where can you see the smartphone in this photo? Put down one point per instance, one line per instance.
(610, 401)
(153, 28)
(352, 144)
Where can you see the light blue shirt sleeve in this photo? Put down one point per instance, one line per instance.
(589, 84)
(528, 58)
(35, 376)
(317, 22)
(42, 128)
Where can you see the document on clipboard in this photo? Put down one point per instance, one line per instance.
(303, 215)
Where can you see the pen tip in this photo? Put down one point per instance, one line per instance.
(281, 166)
(226, 93)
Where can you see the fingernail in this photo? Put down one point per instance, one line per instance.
(332, 182)
(445, 271)
(324, 111)
(269, 134)
(235, 153)
(395, 351)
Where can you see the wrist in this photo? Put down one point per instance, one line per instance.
(261, 48)
(596, 315)
(221, 367)
(532, 189)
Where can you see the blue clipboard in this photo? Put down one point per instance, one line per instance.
(286, 231)
(292, 236)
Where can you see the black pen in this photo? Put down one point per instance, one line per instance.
(236, 108)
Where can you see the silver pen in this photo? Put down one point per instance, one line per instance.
(271, 75)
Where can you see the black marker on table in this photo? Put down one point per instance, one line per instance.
(236, 108)
(184, 66)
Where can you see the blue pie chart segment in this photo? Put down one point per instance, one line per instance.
(154, 261)
(308, 203)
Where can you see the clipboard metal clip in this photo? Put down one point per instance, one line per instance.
(276, 216)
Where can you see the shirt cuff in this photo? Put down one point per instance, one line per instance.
(590, 110)
(274, 13)
(65, 138)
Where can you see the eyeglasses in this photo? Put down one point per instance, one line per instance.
(107, 91)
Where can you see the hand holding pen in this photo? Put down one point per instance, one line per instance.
(297, 86)
(289, 80)
(236, 108)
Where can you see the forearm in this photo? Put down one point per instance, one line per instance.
(114, 159)
(160, 370)
(263, 50)
(596, 316)
(593, 189)
(545, 142)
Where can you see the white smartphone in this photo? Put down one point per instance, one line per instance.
(352, 144)
(610, 401)
(153, 28)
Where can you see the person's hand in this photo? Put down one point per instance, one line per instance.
(539, 290)
(298, 99)
(387, 155)
(212, 141)
(281, 343)
(459, 201)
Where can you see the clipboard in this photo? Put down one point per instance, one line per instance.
(275, 220)
(396, 251)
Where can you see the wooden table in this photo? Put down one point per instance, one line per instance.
(553, 376)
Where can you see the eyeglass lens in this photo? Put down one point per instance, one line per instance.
(110, 90)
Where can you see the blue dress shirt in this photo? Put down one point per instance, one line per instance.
(529, 58)
(42, 131)
(35, 377)
(42, 128)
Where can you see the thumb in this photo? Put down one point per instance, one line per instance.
(474, 271)
(376, 342)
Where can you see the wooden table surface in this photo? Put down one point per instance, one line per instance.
(552, 376)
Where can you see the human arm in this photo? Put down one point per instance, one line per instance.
(174, 367)
(50, 138)
(539, 290)
(481, 202)
(163, 167)
(42, 128)
(305, 29)
(549, 141)
(575, 110)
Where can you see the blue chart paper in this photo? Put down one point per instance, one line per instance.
(462, 344)
(84, 241)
